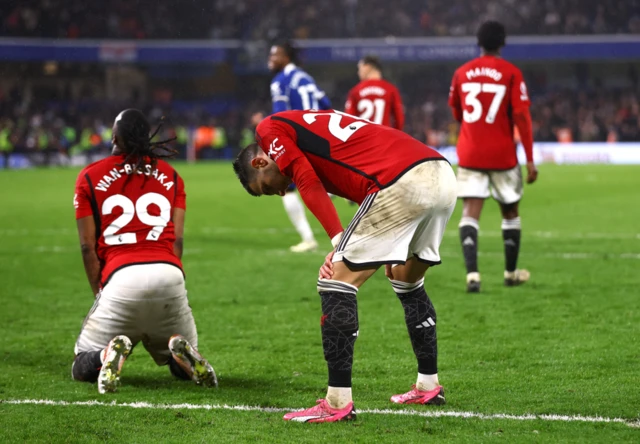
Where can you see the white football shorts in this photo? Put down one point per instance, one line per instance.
(147, 303)
(406, 219)
(505, 186)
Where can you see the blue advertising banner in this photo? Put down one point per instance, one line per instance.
(522, 48)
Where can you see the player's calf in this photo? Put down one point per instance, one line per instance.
(468, 229)
(420, 317)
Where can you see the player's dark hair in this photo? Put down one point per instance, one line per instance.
(242, 166)
(290, 50)
(132, 136)
(491, 35)
(373, 61)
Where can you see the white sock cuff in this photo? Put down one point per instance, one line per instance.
(469, 221)
(511, 224)
(332, 286)
(405, 287)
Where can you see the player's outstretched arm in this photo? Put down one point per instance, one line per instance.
(87, 234)
(178, 227)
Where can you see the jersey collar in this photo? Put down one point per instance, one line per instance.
(290, 67)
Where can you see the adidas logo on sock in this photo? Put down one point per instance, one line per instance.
(468, 241)
(510, 242)
(426, 324)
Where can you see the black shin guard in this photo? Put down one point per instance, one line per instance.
(86, 366)
(420, 317)
(339, 324)
(511, 238)
(469, 241)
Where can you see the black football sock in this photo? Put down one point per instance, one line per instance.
(420, 317)
(339, 324)
(468, 228)
(511, 237)
(177, 371)
(86, 366)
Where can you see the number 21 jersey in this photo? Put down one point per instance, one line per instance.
(487, 90)
(132, 211)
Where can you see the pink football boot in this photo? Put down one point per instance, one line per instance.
(323, 412)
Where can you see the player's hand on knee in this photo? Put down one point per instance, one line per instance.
(532, 172)
(388, 271)
(326, 271)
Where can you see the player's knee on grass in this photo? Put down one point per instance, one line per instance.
(86, 366)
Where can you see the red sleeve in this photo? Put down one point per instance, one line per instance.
(181, 197)
(522, 117)
(454, 99)
(398, 109)
(82, 197)
(277, 139)
(350, 105)
(314, 195)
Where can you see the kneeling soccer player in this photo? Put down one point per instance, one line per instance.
(130, 211)
(406, 192)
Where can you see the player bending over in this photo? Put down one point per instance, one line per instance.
(406, 193)
(292, 88)
(130, 210)
(488, 96)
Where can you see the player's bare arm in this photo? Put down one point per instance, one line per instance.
(87, 235)
(178, 227)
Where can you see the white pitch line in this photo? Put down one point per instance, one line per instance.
(635, 423)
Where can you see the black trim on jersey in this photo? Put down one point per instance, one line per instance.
(140, 263)
(428, 262)
(94, 208)
(489, 170)
(320, 147)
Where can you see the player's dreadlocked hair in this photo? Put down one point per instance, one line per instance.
(242, 166)
(290, 50)
(132, 132)
(491, 35)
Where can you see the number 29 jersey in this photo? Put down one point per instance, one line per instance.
(132, 212)
(487, 91)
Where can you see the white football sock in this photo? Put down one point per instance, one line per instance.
(427, 382)
(339, 397)
(295, 209)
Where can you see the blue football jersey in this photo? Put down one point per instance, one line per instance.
(294, 89)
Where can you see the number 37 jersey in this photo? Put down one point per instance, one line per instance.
(487, 91)
(132, 212)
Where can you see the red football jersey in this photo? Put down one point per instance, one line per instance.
(132, 210)
(330, 151)
(485, 92)
(378, 101)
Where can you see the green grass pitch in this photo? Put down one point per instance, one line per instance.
(568, 343)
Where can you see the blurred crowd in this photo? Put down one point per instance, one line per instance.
(54, 133)
(258, 19)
